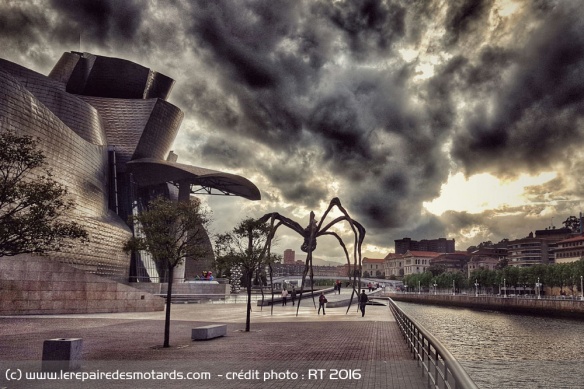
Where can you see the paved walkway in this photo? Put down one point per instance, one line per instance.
(283, 349)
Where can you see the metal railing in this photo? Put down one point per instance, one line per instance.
(439, 366)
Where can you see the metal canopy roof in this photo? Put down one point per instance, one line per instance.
(149, 171)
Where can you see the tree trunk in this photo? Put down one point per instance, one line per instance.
(168, 304)
(248, 275)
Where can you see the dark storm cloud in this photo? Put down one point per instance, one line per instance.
(28, 32)
(535, 117)
(464, 18)
(336, 122)
(317, 99)
(289, 98)
(369, 26)
(20, 25)
(242, 37)
(226, 152)
(294, 176)
(206, 103)
(102, 20)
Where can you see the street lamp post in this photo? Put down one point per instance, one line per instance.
(453, 288)
(476, 288)
(406, 287)
(419, 288)
(538, 286)
(435, 285)
(581, 288)
(505, 288)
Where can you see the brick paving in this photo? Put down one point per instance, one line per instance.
(283, 349)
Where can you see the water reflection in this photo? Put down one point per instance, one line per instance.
(501, 350)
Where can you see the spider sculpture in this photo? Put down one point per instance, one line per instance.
(310, 235)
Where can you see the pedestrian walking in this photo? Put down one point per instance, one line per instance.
(284, 296)
(339, 284)
(293, 295)
(363, 299)
(321, 302)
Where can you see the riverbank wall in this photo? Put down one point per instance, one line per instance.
(544, 307)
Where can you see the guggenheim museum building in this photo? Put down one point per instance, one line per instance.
(106, 129)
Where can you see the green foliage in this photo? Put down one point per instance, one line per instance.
(436, 270)
(32, 204)
(573, 223)
(563, 275)
(244, 246)
(171, 231)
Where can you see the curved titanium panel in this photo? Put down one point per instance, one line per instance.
(124, 122)
(94, 75)
(78, 79)
(75, 113)
(64, 67)
(79, 166)
(138, 128)
(116, 78)
(160, 131)
(158, 85)
(22, 73)
(149, 171)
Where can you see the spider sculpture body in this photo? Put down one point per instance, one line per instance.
(310, 235)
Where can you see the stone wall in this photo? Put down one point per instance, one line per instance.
(531, 305)
(35, 285)
(199, 288)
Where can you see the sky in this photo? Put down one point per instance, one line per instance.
(457, 119)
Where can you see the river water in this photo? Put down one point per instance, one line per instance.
(502, 350)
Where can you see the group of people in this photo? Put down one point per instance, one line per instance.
(205, 275)
(372, 286)
(285, 296)
(322, 300)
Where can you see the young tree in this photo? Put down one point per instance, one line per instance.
(170, 231)
(32, 204)
(244, 247)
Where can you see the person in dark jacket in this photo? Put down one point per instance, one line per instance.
(321, 302)
(293, 295)
(363, 299)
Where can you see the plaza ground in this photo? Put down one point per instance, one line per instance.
(285, 348)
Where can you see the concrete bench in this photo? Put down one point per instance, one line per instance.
(62, 354)
(209, 332)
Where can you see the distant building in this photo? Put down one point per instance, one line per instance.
(485, 259)
(297, 269)
(394, 265)
(538, 249)
(452, 262)
(282, 270)
(569, 250)
(326, 271)
(440, 245)
(289, 257)
(418, 261)
(346, 270)
(373, 267)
